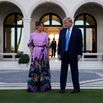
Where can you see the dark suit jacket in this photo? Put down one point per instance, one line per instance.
(75, 43)
(53, 45)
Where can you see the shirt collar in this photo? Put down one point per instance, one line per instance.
(71, 28)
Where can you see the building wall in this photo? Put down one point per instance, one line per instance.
(32, 10)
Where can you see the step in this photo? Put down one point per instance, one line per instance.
(54, 65)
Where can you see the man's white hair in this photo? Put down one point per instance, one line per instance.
(68, 18)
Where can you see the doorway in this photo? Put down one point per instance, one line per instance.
(53, 24)
(88, 26)
(13, 31)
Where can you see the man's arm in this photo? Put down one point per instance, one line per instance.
(59, 46)
(80, 44)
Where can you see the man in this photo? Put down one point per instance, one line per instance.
(69, 52)
(53, 47)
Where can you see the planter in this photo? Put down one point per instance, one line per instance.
(24, 59)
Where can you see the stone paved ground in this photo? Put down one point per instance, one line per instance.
(17, 78)
(87, 78)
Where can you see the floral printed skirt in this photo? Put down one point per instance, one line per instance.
(39, 76)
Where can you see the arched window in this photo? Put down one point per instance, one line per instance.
(51, 19)
(13, 26)
(53, 24)
(88, 26)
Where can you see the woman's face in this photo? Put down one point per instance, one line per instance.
(40, 27)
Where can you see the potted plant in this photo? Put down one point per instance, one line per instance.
(24, 59)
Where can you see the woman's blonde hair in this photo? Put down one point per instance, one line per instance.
(68, 19)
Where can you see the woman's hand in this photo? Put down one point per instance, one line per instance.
(31, 50)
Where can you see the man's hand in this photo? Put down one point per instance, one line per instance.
(59, 57)
(79, 56)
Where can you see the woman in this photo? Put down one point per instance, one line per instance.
(39, 73)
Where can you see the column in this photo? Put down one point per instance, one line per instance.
(26, 35)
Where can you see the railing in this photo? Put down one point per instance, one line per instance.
(9, 54)
(99, 55)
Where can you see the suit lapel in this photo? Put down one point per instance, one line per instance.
(64, 34)
(72, 33)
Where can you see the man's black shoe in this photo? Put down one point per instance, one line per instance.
(75, 91)
(62, 91)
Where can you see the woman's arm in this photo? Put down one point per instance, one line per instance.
(31, 44)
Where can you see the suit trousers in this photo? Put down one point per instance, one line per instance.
(74, 72)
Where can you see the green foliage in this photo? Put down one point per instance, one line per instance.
(24, 59)
(21, 96)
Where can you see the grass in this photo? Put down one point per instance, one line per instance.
(21, 96)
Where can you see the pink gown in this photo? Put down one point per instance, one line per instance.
(39, 73)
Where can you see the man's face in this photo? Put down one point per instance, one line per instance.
(67, 23)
